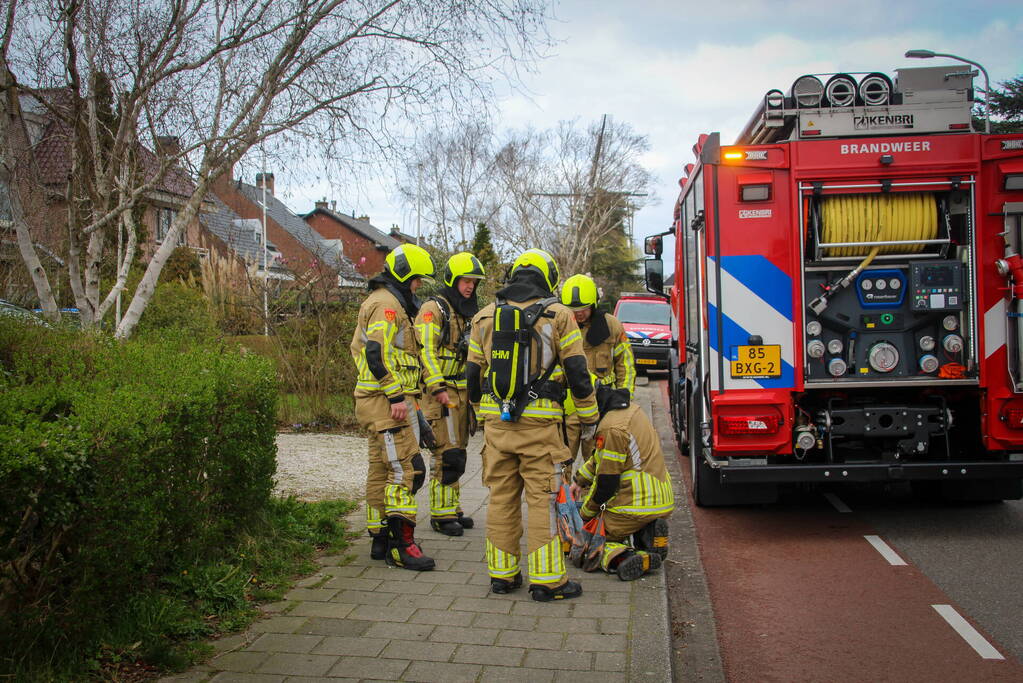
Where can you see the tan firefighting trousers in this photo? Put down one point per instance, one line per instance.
(396, 469)
(573, 432)
(450, 426)
(618, 529)
(523, 457)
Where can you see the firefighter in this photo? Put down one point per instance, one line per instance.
(517, 342)
(628, 481)
(387, 391)
(608, 352)
(443, 329)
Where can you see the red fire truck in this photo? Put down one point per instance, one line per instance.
(849, 294)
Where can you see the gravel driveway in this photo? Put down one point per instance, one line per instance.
(314, 467)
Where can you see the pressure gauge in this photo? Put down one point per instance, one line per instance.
(895, 283)
(927, 343)
(815, 349)
(883, 357)
(835, 346)
(867, 284)
(880, 284)
(813, 328)
(928, 363)
(950, 322)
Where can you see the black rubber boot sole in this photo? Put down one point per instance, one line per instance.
(567, 590)
(503, 586)
(465, 521)
(637, 564)
(448, 527)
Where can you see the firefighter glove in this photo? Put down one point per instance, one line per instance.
(589, 430)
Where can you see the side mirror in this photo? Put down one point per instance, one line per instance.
(653, 274)
(653, 246)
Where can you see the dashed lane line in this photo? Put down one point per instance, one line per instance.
(967, 632)
(886, 551)
(837, 502)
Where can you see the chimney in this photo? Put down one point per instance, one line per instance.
(168, 145)
(333, 205)
(322, 204)
(269, 182)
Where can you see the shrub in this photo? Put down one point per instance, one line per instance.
(120, 461)
(177, 306)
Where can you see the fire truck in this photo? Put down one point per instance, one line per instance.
(848, 298)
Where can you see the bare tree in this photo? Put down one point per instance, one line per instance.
(450, 177)
(340, 77)
(568, 189)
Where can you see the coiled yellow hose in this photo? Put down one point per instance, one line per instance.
(879, 218)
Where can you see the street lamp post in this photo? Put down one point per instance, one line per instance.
(927, 54)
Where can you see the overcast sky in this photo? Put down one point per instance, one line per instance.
(675, 69)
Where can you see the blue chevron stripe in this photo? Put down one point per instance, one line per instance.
(758, 274)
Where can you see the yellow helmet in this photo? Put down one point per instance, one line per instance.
(579, 291)
(542, 261)
(408, 261)
(463, 264)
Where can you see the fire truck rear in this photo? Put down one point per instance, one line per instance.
(849, 294)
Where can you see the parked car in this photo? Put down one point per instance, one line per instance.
(15, 311)
(647, 322)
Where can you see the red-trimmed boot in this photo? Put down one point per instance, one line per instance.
(402, 549)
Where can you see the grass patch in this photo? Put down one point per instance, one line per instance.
(304, 412)
(164, 627)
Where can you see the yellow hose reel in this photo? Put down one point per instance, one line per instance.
(878, 218)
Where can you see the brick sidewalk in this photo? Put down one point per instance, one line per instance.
(357, 619)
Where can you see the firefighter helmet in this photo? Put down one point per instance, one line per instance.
(409, 261)
(542, 261)
(579, 291)
(463, 264)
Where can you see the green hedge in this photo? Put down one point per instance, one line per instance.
(119, 462)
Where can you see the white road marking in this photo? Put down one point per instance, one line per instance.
(837, 502)
(967, 632)
(885, 550)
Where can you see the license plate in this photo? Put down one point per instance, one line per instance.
(646, 361)
(756, 362)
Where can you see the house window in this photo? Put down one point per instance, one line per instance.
(164, 219)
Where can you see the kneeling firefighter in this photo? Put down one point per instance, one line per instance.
(629, 484)
(443, 329)
(516, 345)
(608, 352)
(387, 391)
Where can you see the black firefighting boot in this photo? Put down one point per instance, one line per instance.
(465, 521)
(448, 527)
(378, 548)
(502, 586)
(402, 549)
(653, 538)
(569, 589)
(632, 564)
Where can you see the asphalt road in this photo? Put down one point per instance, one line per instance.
(801, 590)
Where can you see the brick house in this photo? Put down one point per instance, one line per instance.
(363, 244)
(303, 251)
(43, 169)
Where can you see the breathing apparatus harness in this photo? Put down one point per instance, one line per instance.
(508, 376)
